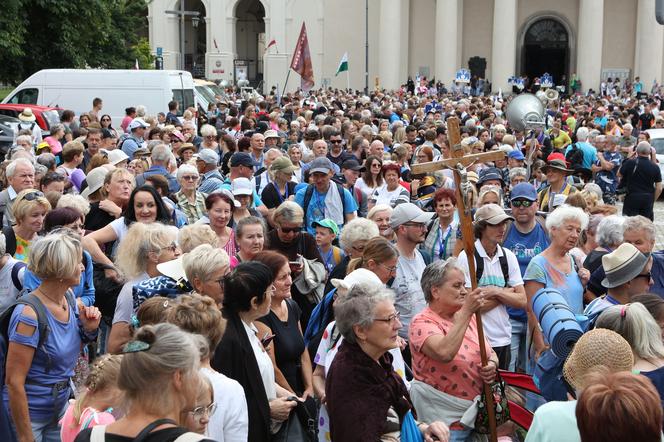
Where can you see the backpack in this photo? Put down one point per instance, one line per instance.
(309, 193)
(504, 266)
(10, 240)
(574, 157)
(43, 328)
(98, 434)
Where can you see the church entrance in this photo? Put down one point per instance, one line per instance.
(249, 41)
(546, 49)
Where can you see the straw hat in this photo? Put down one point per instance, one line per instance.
(27, 115)
(597, 347)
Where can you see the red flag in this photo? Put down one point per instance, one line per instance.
(301, 62)
(272, 42)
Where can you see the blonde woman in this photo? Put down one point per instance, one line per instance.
(147, 245)
(28, 210)
(490, 195)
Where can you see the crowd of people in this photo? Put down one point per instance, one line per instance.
(274, 270)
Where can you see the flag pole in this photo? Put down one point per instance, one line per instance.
(347, 80)
(285, 83)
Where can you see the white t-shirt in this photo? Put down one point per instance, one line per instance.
(364, 187)
(496, 321)
(264, 362)
(230, 421)
(8, 292)
(390, 197)
(120, 229)
(409, 298)
(124, 307)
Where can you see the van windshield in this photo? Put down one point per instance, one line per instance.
(185, 99)
(205, 92)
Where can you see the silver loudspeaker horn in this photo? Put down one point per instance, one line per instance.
(524, 112)
(551, 94)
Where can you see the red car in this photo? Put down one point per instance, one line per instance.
(45, 116)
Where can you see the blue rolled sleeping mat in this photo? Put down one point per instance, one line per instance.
(559, 324)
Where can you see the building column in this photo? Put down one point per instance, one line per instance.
(446, 40)
(164, 33)
(649, 45)
(219, 60)
(503, 51)
(589, 46)
(389, 46)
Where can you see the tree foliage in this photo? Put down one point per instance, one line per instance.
(43, 34)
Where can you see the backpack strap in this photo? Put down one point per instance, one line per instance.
(10, 240)
(98, 433)
(340, 188)
(15, 271)
(308, 194)
(479, 266)
(30, 299)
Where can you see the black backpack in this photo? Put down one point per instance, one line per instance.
(504, 266)
(574, 157)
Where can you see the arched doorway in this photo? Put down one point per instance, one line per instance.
(249, 41)
(195, 35)
(546, 48)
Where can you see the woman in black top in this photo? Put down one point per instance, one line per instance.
(293, 365)
(281, 188)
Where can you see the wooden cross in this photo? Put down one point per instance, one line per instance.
(458, 163)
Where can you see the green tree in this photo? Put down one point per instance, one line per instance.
(143, 53)
(42, 34)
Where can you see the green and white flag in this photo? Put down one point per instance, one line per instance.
(343, 64)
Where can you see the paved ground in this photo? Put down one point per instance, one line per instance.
(659, 223)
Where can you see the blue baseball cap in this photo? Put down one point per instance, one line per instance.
(516, 154)
(524, 191)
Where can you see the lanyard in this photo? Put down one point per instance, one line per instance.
(611, 300)
(442, 240)
(281, 197)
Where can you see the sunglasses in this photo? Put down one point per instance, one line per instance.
(336, 141)
(522, 203)
(33, 195)
(105, 119)
(267, 339)
(645, 275)
(190, 177)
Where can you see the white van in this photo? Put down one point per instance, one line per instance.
(74, 89)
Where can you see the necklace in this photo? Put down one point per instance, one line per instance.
(62, 306)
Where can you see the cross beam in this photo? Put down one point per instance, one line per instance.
(450, 163)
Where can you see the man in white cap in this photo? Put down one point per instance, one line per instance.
(627, 273)
(135, 138)
(409, 223)
(271, 139)
(497, 269)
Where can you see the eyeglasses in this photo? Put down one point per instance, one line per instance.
(31, 196)
(105, 119)
(388, 268)
(522, 203)
(172, 247)
(378, 165)
(290, 229)
(390, 319)
(416, 225)
(359, 249)
(199, 413)
(190, 177)
(210, 137)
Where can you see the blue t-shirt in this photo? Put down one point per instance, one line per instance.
(63, 345)
(84, 290)
(525, 247)
(316, 209)
(569, 284)
(589, 153)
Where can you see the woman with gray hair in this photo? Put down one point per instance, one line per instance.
(635, 323)
(189, 199)
(39, 365)
(609, 236)
(369, 323)
(205, 267)
(556, 268)
(444, 344)
(160, 379)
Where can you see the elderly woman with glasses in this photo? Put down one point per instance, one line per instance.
(241, 355)
(292, 240)
(189, 199)
(29, 209)
(361, 382)
(556, 268)
(205, 268)
(446, 349)
(209, 134)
